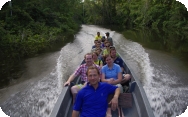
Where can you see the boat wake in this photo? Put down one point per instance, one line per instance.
(166, 94)
(36, 100)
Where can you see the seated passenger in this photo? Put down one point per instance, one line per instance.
(98, 36)
(96, 60)
(99, 51)
(119, 61)
(81, 70)
(111, 73)
(109, 38)
(98, 45)
(91, 101)
(103, 41)
(95, 43)
(106, 51)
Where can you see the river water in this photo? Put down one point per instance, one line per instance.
(163, 76)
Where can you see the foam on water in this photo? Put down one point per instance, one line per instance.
(36, 100)
(166, 94)
(136, 55)
(168, 97)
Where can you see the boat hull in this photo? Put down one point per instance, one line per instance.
(140, 105)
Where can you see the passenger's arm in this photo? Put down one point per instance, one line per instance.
(114, 101)
(75, 113)
(118, 80)
(71, 78)
(101, 64)
(103, 78)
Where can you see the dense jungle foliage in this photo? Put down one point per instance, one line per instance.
(137, 13)
(28, 27)
(168, 18)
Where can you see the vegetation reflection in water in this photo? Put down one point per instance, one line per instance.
(173, 42)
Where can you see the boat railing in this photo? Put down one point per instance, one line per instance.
(138, 93)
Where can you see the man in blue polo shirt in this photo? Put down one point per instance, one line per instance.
(91, 101)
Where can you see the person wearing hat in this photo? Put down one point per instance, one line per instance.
(109, 39)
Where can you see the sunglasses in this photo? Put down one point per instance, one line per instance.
(107, 46)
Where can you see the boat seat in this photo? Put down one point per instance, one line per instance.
(124, 100)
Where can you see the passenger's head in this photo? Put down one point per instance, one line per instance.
(112, 52)
(95, 42)
(107, 45)
(98, 50)
(108, 60)
(103, 38)
(92, 68)
(112, 47)
(98, 33)
(107, 34)
(98, 44)
(95, 55)
(88, 59)
(93, 75)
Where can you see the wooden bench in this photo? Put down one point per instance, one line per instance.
(124, 100)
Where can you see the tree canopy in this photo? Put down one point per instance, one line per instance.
(137, 13)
